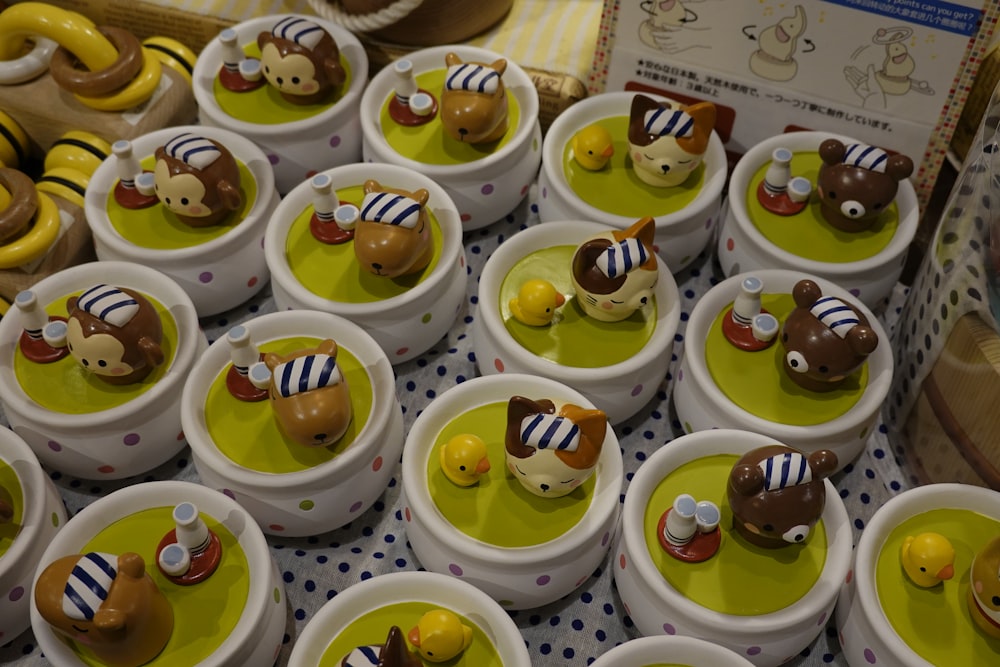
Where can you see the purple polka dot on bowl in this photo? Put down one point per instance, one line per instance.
(870, 656)
(604, 540)
(273, 159)
(708, 223)
(334, 141)
(669, 629)
(680, 375)
(205, 276)
(55, 446)
(487, 189)
(455, 570)
(855, 291)
(16, 593)
(543, 580)
(227, 492)
(356, 506)
(822, 619)
(545, 193)
(131, 439)
(636, 390)
(753, 650)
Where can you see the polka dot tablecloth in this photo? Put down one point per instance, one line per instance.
(572, 631)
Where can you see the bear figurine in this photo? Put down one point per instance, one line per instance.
(856, 183)
(825, 339)
(777, 494)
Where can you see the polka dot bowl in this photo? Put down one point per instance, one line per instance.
(742, 247)
(404, 325)
(38, 515)
(329, 492)
(681, 650)
(702, 405)
(120, 441)
(620, 389)
(680, 235)
(658, 608)
(484, 189)
(218, 273)
(297, 149)
(383, 591)
(520, 577)
(258, 621)
(867, 637)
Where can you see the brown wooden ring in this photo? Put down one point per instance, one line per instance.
(23, 203)
(65, 72)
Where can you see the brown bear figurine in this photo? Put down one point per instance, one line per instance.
(393, 237)
(474, 100)
(857, 183)
(825, 339)
(301, 60)
(107, 603)
(777, 494)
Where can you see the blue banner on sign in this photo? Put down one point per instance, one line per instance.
(935, 14)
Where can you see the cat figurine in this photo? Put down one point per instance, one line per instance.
(614, 272)
(667, 140)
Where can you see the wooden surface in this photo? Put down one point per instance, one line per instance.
(434, 22)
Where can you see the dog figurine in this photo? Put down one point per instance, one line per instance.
(393, 237)
(667, 140)
(474, 100)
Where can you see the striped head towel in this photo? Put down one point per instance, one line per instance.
(866, 157)
(191, 149)
(298, 30)
(472, 77)
(313, 371)
(622, 257)
(88, 585)
(669, 122)
(108, 304)
(544, 431)
(786, 469)
(835, 314)
(391, 209)
(363, 656)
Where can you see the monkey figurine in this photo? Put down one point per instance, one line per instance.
(301, 60)
(114, 332)
(198, 179)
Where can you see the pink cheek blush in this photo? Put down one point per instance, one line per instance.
(637, 157)
(118, 370)
(309, 87)
(607, 305)
(197, 210)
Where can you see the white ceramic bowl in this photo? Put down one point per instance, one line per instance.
(218, 274)
(620, 389)
(866, 636)
(743, 248)
(701, 405)
(438, 589)
(405, 325)
(42, 515)
(680, 235)
(125, 440)
(683, 650)
(523, 577)
(299, 148)
(486, 189)
(256, 638)
(658, 608)
(323, 497)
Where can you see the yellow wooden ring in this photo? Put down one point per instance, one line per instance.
(173, 54)
(39, 238)
(72, 79)
(65, 183)
(138, 91)
(78, 150)
(69, 29)
(14, 142)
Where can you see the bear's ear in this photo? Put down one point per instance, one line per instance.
(899, 167)
(328, 347)
(747, 479)
(110, 620)
(132, 565)
(863, 340)
(805, 293)
(264, 37)
(371, 185)
(272, 361)
(832, 151)
(823, 463)
(452, 59)
(499, 66)
(421, 196)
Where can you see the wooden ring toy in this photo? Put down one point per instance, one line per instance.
(173, 54)
(69, 29)
(14, 142)
(29, 66)
(16, 217)
(100, 82)
(39, 238)
(135, 93)
(77, 150)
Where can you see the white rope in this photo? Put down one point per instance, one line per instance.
(383, 18)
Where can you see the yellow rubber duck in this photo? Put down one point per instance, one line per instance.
(536, 303)
(592, 147)
(928, 559)
(440, 635)
(463, 459)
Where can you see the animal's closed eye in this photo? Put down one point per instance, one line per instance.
(684, 161)
(648, 157)
(78, 629)
(521, 472)
(613, 301)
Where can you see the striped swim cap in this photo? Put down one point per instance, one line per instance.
(88, 585)
(391, 209)
(672, 122)
(298, 30)
(313, 371)
(622, 257)
(786, 469)
(544, 431)
(473, 77)
(866, 157)
(363, 656)
(108, 304)
(191, 149)
(835, 314)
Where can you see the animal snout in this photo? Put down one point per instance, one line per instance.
(376, 266)
(664, 168)
(544, 487)
(320, 438)
(852, 209)
(463, 131)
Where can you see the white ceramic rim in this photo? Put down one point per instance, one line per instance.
(121, 274)
(105, 177)
(516, 80)
(906, 204)
(607, 105)
(132, 499)
(897, 509)
(275, 326)
(350, 48)
(645, 651)
(421, 586)
(564, 232)
(732, 441)
(495, 388)
(711, 304)
(390, 175)
(34, 483)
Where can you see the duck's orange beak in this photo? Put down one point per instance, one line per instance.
(414, 636)
(947, 572)
(483, 466)
(560, 299)
(609, 151)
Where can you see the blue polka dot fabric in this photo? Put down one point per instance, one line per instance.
(573, 631)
